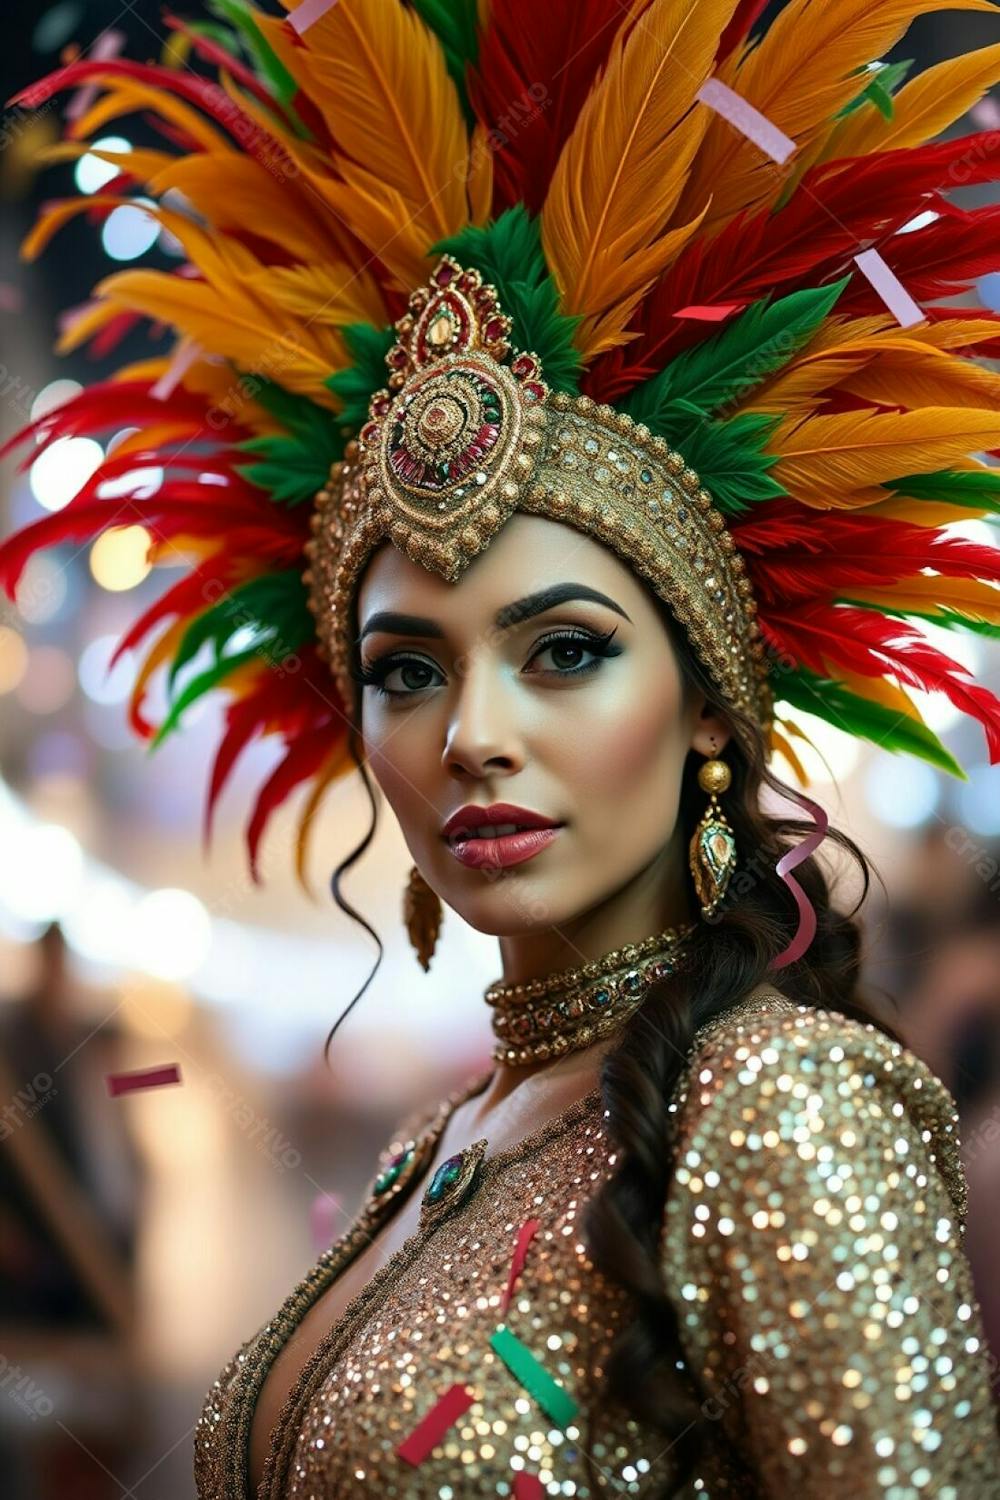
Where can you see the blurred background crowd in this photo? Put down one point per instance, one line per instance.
(143, 1237)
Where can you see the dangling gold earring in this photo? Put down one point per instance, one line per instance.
(422, 913)
(712, 852)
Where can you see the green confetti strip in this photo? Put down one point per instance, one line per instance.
(556, 1402)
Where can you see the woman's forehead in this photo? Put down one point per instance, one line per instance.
(530, 553)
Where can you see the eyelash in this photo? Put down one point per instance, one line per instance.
(374, 675)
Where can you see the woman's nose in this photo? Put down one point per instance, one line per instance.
(482, 733)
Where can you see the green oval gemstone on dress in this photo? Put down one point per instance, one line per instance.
(391, 1172)
(443, 1177)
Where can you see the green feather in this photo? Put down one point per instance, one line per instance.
(725, 369)
(946, 617)
(977, 488)
(879, 89)
(835, 703)
(357, 384)
(198, 687)
(292, 467)
(728, 460)
(273, 605)
(508, 252)
(454, 24)
(270, 69)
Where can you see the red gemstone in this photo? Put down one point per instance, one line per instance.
(495, 329)
(443, 276)
(535, 391)
(397, 357)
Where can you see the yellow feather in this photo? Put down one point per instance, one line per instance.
(798, 76)
(782, 745)
(606, 217)
(229, 322)
(127, 97)
(970, 596)
(925, 512)
(835, 460)
(878, 690)
(324, 292)
(923, 107)
(378, 74)
(924, 377)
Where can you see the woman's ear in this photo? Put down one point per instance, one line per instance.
(712, 731)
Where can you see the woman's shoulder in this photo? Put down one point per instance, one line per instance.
(770, 1067)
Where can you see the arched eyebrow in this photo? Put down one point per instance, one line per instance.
(510, 614)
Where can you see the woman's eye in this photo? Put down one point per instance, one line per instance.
(402, 677)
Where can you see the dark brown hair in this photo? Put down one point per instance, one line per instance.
(725, 959)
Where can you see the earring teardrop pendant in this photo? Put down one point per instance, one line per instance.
(712, 851)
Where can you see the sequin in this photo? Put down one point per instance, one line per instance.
(811, 1245)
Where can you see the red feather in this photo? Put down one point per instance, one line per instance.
(741, 23)
(839, 208)
(559, 47)
(866, 642)
(206, 95)
(305, 755)
(939, 260)
(795, 559)
(188, 596)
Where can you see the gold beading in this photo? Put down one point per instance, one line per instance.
(468, 433)
(544, 1018)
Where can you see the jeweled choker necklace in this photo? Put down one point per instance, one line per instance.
(562, 1012)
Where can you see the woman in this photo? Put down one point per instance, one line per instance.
(588, 504)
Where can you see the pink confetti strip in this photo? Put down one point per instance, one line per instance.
(431, 1429)
(324, 1213)
(308, 13)
(107, 46)
(145, 1078)
(889, 287)
(790, 861)
(709, 313)
(749, 121)
(524, 1237)
(528, 1487)
(185, 355)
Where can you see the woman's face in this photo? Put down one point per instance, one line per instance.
(575, 711)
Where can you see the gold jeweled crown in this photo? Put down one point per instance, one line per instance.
(468, 432)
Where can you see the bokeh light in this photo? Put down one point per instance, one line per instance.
(118, 559)
(99, 685)
(41, 873)
(63, 469)
(13, 659)
(129, 231)
(171, 934)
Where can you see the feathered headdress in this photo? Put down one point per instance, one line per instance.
(446, 259)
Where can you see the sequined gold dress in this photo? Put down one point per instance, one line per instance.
(812, 1245)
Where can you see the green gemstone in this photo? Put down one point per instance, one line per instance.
(391, 1172)
(444, 1177)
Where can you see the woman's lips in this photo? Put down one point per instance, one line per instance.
(508, 849)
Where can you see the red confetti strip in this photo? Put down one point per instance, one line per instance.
(524, 1237)
(145, 1078)
(528, 1487)
(709, 313)
(429, 1432)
